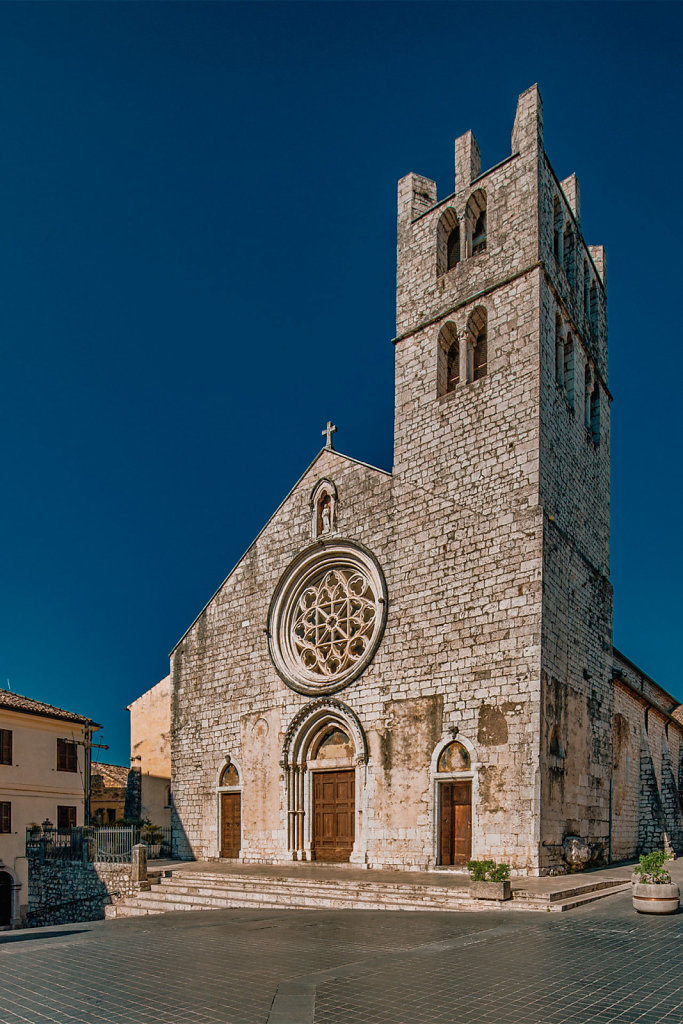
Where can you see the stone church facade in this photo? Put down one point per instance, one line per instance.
(407, 669)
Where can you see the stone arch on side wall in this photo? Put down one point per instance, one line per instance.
(300, 761)
(460, 773)
(229, 781)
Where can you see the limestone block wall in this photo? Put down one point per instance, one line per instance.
(647, 766)
(62, 892)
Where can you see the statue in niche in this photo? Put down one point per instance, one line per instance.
(325, 515)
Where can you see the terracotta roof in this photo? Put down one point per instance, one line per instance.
(28, 706)
(112, 775)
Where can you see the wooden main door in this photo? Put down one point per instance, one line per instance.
(455, 831)
(334, 805)
(231, 824)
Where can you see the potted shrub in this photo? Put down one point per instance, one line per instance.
(153, 836)
(490, 881)
(653, 890)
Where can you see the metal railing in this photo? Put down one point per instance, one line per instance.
(112, 844)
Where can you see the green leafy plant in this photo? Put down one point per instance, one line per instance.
(152, 834)
(488, 871)
(651, 870)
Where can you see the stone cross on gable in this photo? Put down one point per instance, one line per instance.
(329, 430)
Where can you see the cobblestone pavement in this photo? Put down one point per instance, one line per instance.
(602, 964)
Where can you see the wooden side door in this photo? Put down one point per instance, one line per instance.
(455, 831)
(334, 805)
(231, 824)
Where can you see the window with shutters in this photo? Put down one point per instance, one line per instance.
(66, 817)
(67, 756)
(5, 816)
(5, 746)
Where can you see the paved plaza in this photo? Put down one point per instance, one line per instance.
(601, 963)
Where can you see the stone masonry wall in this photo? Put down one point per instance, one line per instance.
(63, 892)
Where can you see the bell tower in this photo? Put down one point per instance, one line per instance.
(502, 439)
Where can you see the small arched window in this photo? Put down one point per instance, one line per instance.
(557, 229)
(568, 380)
(476, 222)
(453, 758)
(595, 413)
(559, 351)
(587, 389)
(593, 306)
(568, 255)
(229, 776)
(478, 329)
(453, 247)
(448, 370)
(447, 242)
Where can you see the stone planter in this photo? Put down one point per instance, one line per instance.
(153, 850)
(655, 899)
(490, 890)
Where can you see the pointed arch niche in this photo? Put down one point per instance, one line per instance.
(324, 509)
(324, 758)
(454, 775)
(229, 809)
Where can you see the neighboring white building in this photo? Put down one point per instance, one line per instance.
(43, 766)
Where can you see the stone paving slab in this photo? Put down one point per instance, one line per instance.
(602, 965)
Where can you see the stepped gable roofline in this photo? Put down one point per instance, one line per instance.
(111, 774)
(26, 705)
(323, 451)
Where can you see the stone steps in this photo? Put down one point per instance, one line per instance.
(215, 891)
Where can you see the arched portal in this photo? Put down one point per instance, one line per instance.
(230, 809)
(324, 755)
(454, 778)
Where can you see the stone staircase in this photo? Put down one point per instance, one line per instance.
(207, 890)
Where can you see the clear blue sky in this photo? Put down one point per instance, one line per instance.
(198, 218)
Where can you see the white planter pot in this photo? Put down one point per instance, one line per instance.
(655, 899)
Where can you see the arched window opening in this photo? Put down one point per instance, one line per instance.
(587, 389)
(453, 758)
(568, 369)
(453, 247)
(447, 242)
(593, 306)
(476, 222)
(559, 351)
(595, 413)
(557, 229)
(568, 255)
(478, 330)
(229, 776)
(448, 370)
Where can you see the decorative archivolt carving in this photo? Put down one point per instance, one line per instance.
(307, 725)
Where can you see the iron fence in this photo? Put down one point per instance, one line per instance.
(104, 844)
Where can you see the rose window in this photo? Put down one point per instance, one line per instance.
(333, 622)
(327, 617)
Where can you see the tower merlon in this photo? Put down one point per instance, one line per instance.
(572, 193)
(467, 160)
(415, 195)
(527, 131)
(599, 257)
